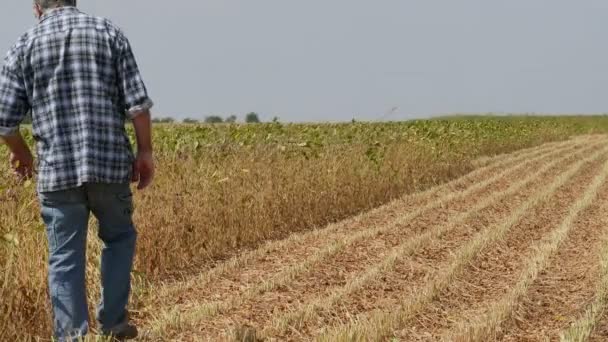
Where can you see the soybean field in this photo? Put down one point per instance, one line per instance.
(455, 229)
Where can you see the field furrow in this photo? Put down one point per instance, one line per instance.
(591, 325)
(378, 322)
(488, 325)
(495, 271)
(282, 262)
(566, 288)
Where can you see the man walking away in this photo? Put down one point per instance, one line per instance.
(78, 76)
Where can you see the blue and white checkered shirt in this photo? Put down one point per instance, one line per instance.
(78, 76)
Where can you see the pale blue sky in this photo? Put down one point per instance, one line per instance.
(317, 60)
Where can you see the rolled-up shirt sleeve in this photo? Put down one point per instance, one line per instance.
(14, 103)
(132, 87)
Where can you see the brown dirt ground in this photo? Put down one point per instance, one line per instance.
(564, 290)
(496, 269)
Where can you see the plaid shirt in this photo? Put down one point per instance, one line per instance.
(78, 76)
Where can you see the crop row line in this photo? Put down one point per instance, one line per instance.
(501, 310)
(581, 329)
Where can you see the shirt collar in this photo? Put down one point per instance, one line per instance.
(58, 11)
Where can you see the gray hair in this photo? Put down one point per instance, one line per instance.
(46, 4)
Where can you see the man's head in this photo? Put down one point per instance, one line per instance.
(41, 6)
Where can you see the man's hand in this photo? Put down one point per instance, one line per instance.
(143, 170)
(23, 165)
(21, 156)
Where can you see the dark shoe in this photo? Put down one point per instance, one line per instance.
(125, 332)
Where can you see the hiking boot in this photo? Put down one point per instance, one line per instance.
(125, 332)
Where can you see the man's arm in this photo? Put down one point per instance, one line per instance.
(138, 105)
(14, 105)
(143, 168)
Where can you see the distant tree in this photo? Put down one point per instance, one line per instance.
(252, 118)
(275, 119)
(190, 121)
(214, 119)
(231, 119)
(163, 120)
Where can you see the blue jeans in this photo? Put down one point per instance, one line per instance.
(66, 215)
